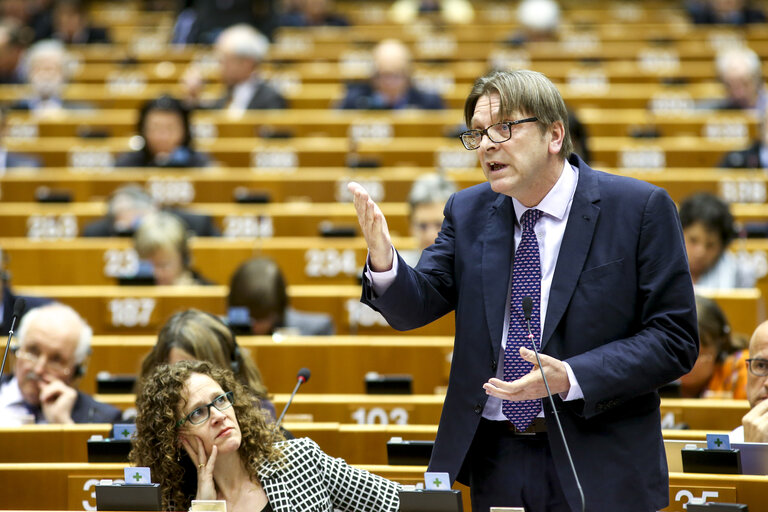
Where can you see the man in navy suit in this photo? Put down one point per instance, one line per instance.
(615, 305)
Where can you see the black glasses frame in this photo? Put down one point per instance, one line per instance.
(230, 401)
(752, 371)
(509, 124)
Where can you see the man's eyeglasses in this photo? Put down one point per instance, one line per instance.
(202, 413)
(498, 133)
(53, 363)
(758, 367)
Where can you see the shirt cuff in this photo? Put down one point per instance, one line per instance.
(381, 281)
(575, 393)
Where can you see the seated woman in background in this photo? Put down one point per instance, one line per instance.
(706, 378)
(162, 240)
(201, 437)
(708, 229)
(165, 139)
(195, 335)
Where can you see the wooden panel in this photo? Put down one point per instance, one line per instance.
(338, 363)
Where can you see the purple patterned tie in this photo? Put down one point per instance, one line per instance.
(526, 281)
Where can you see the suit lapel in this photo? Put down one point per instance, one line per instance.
(498, 253)
(577, 239)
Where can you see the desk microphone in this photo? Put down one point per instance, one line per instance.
(301, 378)
(527, 310)
(18, 308)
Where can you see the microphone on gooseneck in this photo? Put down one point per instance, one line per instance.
(527, 311)
(301, 378)
(18, 309)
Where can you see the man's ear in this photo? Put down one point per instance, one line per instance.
(557, 132)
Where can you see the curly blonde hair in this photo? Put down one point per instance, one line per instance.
(157, 443)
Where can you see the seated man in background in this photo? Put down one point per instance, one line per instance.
(312, 13)
(754, 425)
(53, 343)
(708, 229)
(756, 155)
(129, 204)
(9, 159)
(740, 72)
(70, 24)
(47, 73)
(240, 49)
(426, 202)
(259, 304)
(390, 85)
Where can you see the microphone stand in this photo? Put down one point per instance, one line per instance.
(527, 307)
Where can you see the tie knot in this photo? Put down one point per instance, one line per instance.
(529, 219)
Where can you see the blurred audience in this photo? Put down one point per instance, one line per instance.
(240, 50)
(10, 159)
(195, 335)
(706, 377)
(579, 136)
(708, 229)
(165, 138)
(72, 26)
(390, 86)
(740, 71)
(756, 155)
(53, 345)
(426, 202)
(724, 12)
(162, 239)
(259, 304)
(12, 46)
(129, 204)
(312, 13)
(201, 21)
(754, 424)
(448, 11)
(47, 73)
(538, 20)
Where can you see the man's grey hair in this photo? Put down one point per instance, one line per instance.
(45, 48)
(138, 197)
(430, 188)
(243, 40)
(739, 58)
(525, 93)
(58, 313)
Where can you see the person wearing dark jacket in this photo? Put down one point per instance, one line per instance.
(53, 344)
(165, 137)
(390, 86)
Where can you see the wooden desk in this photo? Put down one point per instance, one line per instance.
(100, 261)
(704, 414)
(328, 184)
(144, 309)
(338, 363)
(383, 124)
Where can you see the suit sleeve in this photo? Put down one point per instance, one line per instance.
(666, 344)
(424, 294)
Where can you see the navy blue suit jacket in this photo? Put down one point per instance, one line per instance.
(621, 312)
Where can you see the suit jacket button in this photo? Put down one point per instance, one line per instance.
(493, 365)
(478, 408)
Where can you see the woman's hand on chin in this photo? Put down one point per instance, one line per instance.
(206, 490)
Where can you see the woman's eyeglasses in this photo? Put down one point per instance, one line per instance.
(202, 413)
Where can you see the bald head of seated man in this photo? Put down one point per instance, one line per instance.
(754, 424)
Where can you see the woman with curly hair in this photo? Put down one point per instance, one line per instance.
(198, 432)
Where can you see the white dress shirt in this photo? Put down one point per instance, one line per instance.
(549, 230)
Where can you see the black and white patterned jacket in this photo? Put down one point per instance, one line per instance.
(306, 479)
